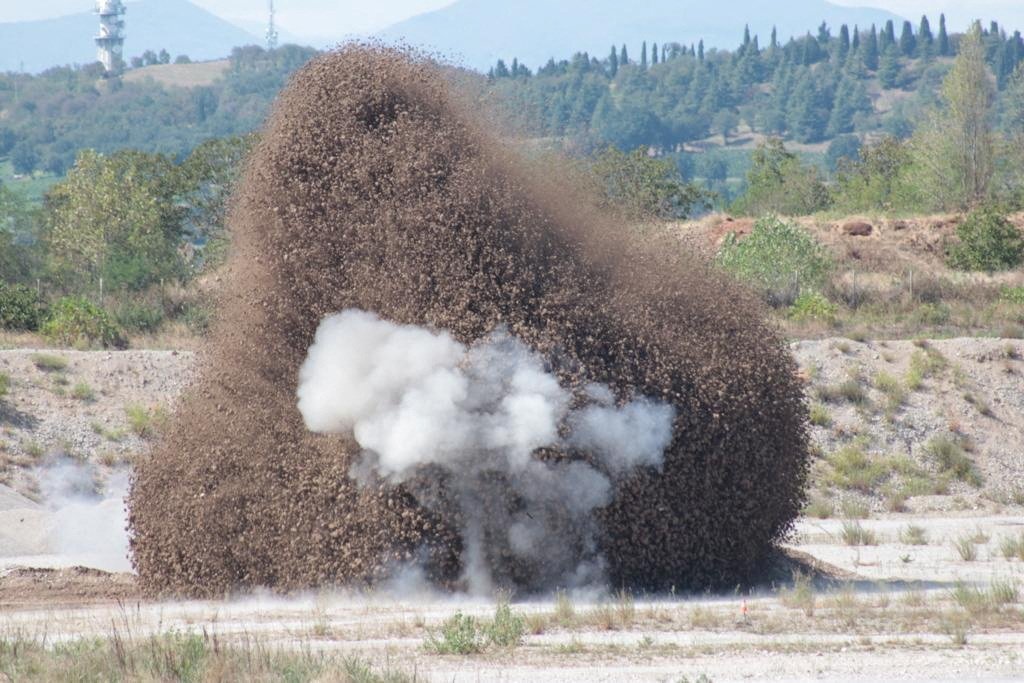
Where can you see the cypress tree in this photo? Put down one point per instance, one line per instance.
(871, 50)
(624, 58)
(889, 67)
(824, 34)
(844, 43)
(700, 50)
(943, 37)
(908, 43)
(855, 43)
(643, 55)
(924, 32)
(613, 62)
(654, 53)
(775, 39)
(888, 36)
(515, 67)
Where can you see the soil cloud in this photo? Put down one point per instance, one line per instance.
(373, 188)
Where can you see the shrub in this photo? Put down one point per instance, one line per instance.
(5, 384)
(820, 415)
(145, 423)
(21, 308)
(47, 362)
(1013, 295)
(988, 242)
(507, 628)
(855, 534)
(83, 392)
(781, 259)
(77, 322)
(460, 635)
(951, 459)
(853, 470)
(138, 316)
(914, 535)
(966, 549)
(812, 306)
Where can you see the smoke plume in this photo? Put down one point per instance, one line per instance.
(424, 407)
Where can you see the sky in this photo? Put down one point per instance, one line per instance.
(334, 19)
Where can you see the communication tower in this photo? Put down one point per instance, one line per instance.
(110, 41)
(271, 30)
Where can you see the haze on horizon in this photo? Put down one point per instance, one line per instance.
(312, 20)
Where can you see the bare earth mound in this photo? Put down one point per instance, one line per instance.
(373, 189)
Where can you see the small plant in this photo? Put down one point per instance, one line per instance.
(507, 628)
(460, 635)
(812, 306)
(34, 450)
(143, 422)
(1013, 546)
(565, 611)
(988, 242)
(1012, 295)
(855, 534)
(966, 549)
(951, 458)
(853, 470)
(83, 392)
(5, 384)
(800, 595)
(819, 508)
(894, 393)
(913, 535)
(854, 509)
(47, 362)
(820, 415)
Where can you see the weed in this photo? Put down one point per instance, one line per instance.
(979, 537)
(853, 470)
(83, 392)
(460, 635)
(34, 450)
(982, 407)
(855, 509)
(800, 595)
(951, 459)
(966, 549)
(507, 628)
(855, 534)
(565, 611)
(1013, 547)
(5, 384)
(144, 422)
(819, 508)
(913, 535)
(820, 415)
(49, 363)
(895, 395)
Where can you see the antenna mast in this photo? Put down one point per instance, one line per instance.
(110, 41)
(271, 30)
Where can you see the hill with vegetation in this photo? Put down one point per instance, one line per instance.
(478, 32)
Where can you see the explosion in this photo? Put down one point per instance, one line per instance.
(431, 353)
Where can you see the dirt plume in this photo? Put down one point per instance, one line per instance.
(374, 189)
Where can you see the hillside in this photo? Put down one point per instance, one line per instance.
(479, 32)
(177, 26)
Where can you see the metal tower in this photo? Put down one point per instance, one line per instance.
(110, 41)
(271, 30)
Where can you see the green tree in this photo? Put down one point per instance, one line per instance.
(908, 43)
(889, 68)
(873, 181)
(955, 149)
(642, 186)
(924, 33)
(778, 183)
(117, 217)
(643, 55)
(613, 62)
(871, 50)
(844, 43)
(943, 39)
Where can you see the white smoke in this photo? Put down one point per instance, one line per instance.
(88, 522)
(419, 402)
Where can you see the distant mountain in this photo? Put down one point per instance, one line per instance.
(477, 33)
(175, 25)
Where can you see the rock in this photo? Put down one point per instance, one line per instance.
(857, 229)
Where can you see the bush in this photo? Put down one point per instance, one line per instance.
(988, 242)
(138, 316)
(952, 460)
(777, 182)
(781, 259)
(21, 308)
(460, 635)
(813, 306)
(77, 322)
